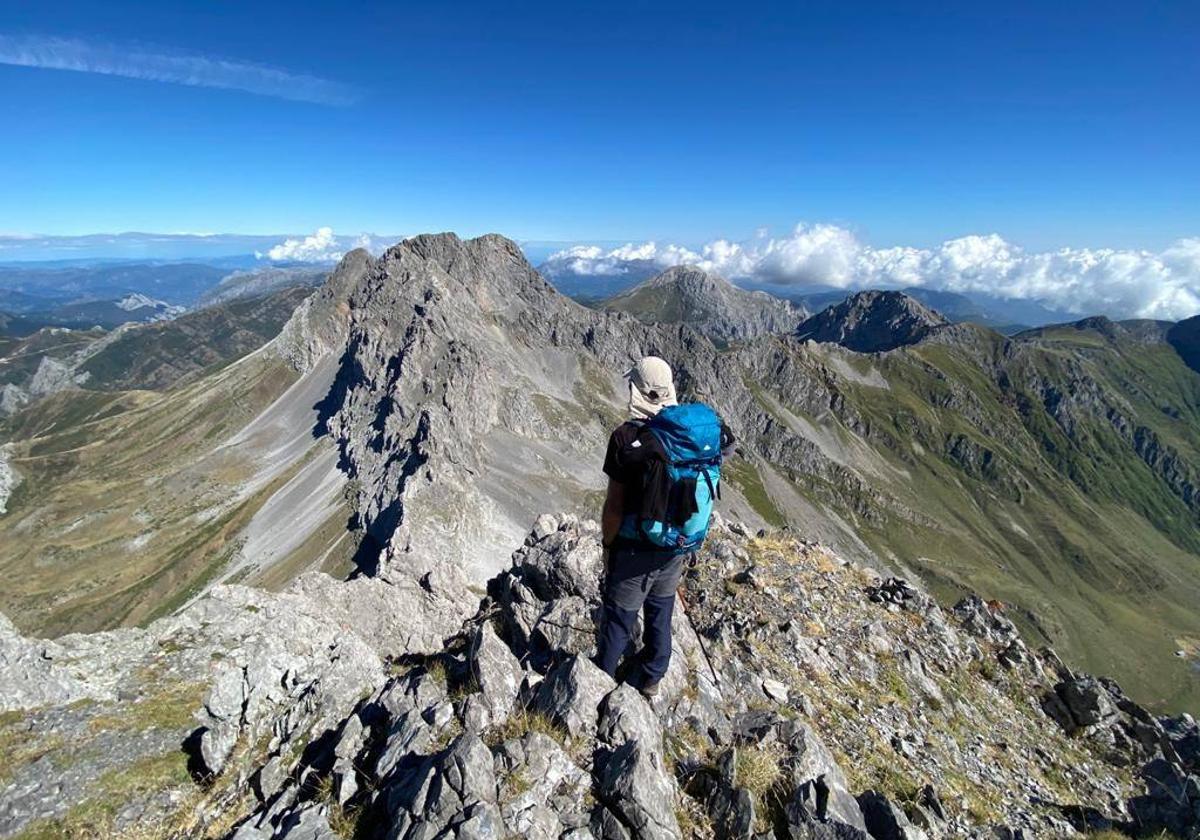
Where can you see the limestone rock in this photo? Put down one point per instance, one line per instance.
(453, 790)
(571, 695)
(981, 620)
(496, 671)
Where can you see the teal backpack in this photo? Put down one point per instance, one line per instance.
(680, 483)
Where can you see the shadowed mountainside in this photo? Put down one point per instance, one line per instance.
(1185, 338)
(869, 322)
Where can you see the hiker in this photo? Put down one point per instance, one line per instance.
(663, 467)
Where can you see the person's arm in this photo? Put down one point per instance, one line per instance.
(610, 516)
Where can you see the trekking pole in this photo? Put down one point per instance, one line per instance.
(699, 638)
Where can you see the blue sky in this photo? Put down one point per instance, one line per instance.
(1049, 124)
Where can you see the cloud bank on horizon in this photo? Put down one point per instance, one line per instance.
(162, 65)
(322, 246)
(1121, 283)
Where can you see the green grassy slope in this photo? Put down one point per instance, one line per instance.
(127, 505)
(654, 304)
(1056, 473)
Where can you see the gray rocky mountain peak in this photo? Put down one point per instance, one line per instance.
(710, 304)
(873, 321)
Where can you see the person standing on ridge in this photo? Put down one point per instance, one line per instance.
(664, 473)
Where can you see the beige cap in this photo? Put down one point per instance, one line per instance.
(651, 386)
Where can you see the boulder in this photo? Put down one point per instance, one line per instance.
(1087, 700)
(310, 823)
(1079, 702)
(885, 821)
(982, 621)
(1183, 733)
(542, 790)
(1171, 802)
(567, 625)
(571, 693)
(633, 780)
(454, 789)
(626, 716)
(497, 673)
(563, 561)
(634, 784)
(775, 690)
(820, 789)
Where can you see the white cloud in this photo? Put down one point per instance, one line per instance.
(1122, 283)
(158, 65)
(323, 245)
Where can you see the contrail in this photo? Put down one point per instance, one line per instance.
(157, 65)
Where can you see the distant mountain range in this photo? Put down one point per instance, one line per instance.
(1004, 315)
(1001, 314)
(108, 294)
(158, 354)
(176, 283)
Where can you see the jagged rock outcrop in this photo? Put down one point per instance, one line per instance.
(864, 745)
(871, 322)
(808, 697)
(12, 398)
(9, 478)
(53, 375)
(712, 305)
(241, 678)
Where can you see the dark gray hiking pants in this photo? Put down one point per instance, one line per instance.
(640, 581)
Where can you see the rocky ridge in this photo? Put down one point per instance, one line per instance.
(808, 697)
(260, 282)
(462, 374)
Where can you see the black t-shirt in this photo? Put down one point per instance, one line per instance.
(620, 467)
(616, 464)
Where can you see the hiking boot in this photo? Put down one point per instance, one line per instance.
(649, 690)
